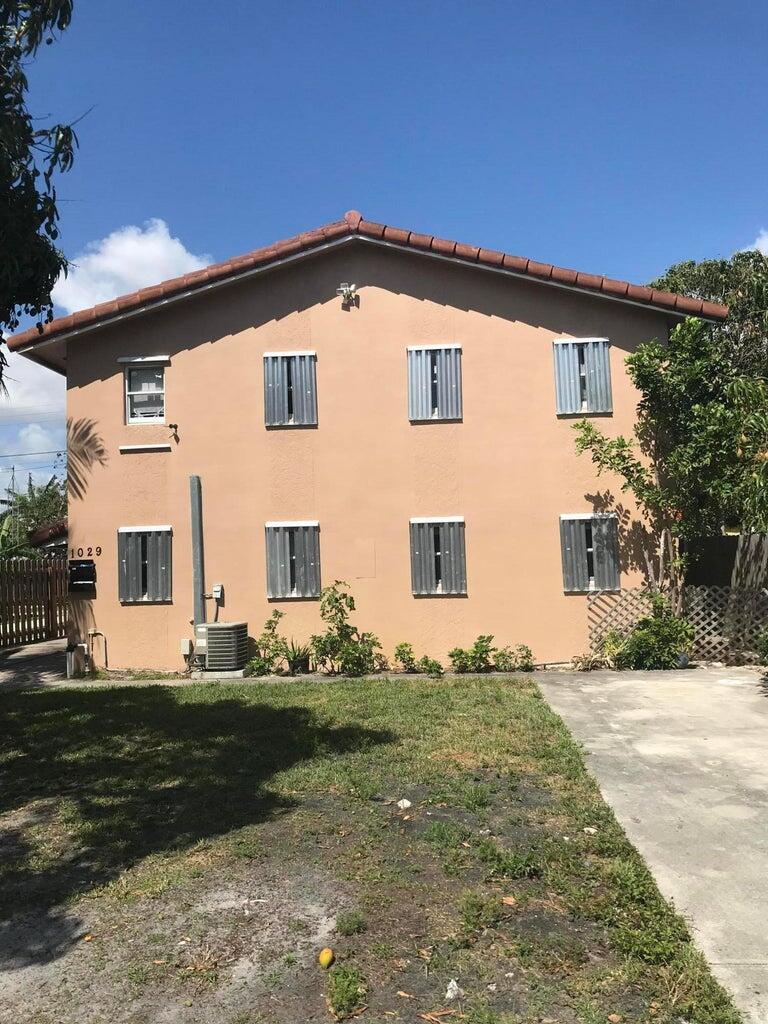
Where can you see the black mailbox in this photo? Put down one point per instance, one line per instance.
(82, 575)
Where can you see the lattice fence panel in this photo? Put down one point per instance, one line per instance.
(727, 620)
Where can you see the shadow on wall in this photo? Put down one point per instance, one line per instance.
(213, 316)
(139, 772)
(637, 542)
(85, 449)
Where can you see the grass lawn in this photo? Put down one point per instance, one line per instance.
(182, 854)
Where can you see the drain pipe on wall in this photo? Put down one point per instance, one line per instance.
(198, 555)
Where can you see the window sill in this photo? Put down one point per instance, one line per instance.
(127, 449)
(583, 415)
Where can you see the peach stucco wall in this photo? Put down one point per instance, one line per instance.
(509, 468)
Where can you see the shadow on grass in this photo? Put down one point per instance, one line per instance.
(132, 772)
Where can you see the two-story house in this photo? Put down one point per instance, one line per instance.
(411, 436)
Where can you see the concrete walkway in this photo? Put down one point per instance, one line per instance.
(682, 757)
(34, 665)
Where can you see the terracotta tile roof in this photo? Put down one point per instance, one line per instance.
(353, 223)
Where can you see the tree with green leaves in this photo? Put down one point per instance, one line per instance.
(26, 511)
(699, 455)
(31, 156)
(741, 283)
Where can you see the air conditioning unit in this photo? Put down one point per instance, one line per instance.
(222, 645)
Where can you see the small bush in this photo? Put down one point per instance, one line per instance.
(762, 645)
(657, 641)
(297, 657)
(405, 657)
(352, 922)
(519, 659)
(342, 649)
(430, 667)
(346, 990)
(478, 658)
(271, 648)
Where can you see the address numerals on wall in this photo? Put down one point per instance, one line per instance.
(85, 552)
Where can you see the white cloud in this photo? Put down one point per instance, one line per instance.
(760, 243)
(129, 258)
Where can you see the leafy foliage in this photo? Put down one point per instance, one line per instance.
(517, 659)
(477, 658)
(271, 648)
(405, 657)
(30, 158)
(342, 648)
(740, 282)
(22, 513)
(298, 657)
(430, 667)
(656, 642)
(699, 457)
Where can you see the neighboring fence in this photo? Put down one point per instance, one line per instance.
(726, 619)
(33, 600)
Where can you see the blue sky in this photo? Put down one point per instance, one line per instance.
(615, 138)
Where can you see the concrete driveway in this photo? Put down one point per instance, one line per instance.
(33, 665)
(682, 757)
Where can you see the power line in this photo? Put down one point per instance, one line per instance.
(23, 455)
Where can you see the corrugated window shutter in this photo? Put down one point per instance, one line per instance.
(421, 398)
(605, 542)
(159, 565)
(573, 544)
(453, 561)
(303, 393)
(567, 386)
(305, 542)
(598, 367)
(422, 559)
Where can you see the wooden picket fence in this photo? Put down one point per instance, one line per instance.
(726, 619)
(33, 600)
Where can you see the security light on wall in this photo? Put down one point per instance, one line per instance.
(348, 293)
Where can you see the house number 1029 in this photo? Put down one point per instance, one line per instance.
(85, 552)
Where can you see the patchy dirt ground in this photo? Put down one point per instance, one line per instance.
(181, 856)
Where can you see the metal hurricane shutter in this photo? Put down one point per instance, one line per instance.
(278, 573)
(598, 367)
(454, 564)
(275, 391)
(164, 568)
(422, 559)
(304, 390)
(605, 541)
(123, 567)
(419, 406)
(567, 387)
(573, 543)
(449, 384)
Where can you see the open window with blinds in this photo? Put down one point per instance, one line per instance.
(293, 559)
(590, 551)
(434, 383)
(290, 389)
(438, 556)
(582, 376)
(144, 563)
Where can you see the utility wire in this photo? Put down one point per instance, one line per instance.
(23, 455)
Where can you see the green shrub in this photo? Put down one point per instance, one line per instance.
(271, 648)
(518, 659)
(657, 641)
(298, 657)
(478, 658)
(762, 645)
(430, 667)
(405, 657)
(342, 649)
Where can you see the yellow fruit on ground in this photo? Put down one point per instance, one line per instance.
(325, 957)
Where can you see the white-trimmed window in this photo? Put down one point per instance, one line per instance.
(144, 563)
(144, 388)
(293, 559)
(590, 551)
(434, 382)
(290, 389)
(438, 556)
(582, 376)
